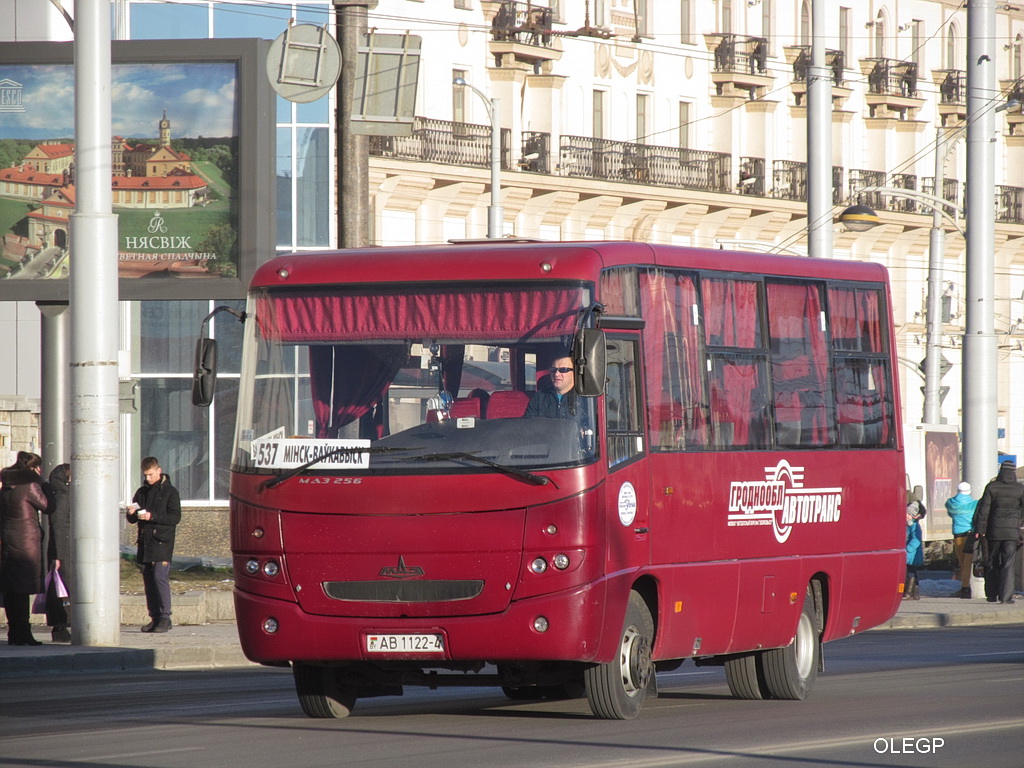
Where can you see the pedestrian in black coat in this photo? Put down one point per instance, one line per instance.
(997, 523)
(58, 550)
(156, 509)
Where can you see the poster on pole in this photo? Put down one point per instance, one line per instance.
(192, 176)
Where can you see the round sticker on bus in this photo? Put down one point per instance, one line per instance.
(627, 504)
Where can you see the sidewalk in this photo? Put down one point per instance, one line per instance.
(212, 642)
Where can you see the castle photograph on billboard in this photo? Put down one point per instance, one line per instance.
(177, 177)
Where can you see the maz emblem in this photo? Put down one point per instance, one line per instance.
(400, 571)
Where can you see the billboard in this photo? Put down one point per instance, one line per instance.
(192, 181)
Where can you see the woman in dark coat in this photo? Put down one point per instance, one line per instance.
(58, 549)
(22, 565)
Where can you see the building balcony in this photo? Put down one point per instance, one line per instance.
(752, 177)
(799, 56)
(1010, 204)
(952, 84)
(741, 65)
(446, 142)
(1014, 90)
(789, 181)
(644, 164)
(892, 88)
(521, 33)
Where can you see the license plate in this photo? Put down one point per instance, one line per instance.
(405, 643)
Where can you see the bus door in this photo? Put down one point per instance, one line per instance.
(627, 490)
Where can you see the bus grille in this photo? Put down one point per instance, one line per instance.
(403, 591)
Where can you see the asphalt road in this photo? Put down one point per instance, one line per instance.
(930, 698)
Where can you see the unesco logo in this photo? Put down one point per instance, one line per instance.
(10, 96)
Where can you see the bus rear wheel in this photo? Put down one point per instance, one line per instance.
(745, 677)
(322, 691)
(790, 672)
(617, 690)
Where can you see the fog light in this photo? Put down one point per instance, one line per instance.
(257, 533)
(252, 567)
(270, 625)
(560, 561)
(271, 569)
(540, 624)
(539, 565)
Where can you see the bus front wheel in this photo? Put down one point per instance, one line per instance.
(616, 690)
(790, 672)
(322, 692)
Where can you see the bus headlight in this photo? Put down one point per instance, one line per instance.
(270, 625)
(540, 624)
(252, 567)
(271, 568)
(539, 565)
(560, 561)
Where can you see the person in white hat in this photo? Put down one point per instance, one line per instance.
(961, 508)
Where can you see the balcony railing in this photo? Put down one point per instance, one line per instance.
(950, 189)
(644, 163)
(752, 176)
(1010, 204)
(742, 54)
(442, 141)
(789, 181)
(536, 152)
(522, 23)
(902, 204)
(834, 60)
(860, 180)
(893, 77)
(953, 88)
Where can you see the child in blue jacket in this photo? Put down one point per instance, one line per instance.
(915, 550)
(960, 509)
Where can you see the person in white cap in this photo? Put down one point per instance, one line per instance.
(960, 509)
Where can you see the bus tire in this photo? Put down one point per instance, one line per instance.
(616, 690)
(322, 694)
(744, 676)
(790, 672)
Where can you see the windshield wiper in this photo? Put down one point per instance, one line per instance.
(521, 474)
(273, 482)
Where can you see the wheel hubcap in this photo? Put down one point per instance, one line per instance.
(634, 661)
(804, 647)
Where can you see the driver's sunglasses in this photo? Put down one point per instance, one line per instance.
(559, 370)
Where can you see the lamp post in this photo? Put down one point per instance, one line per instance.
(495, 214)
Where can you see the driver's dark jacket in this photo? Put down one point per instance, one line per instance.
(546, 404)
(156, 536)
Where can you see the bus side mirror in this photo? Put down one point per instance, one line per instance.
(204, 376)
(591, 360)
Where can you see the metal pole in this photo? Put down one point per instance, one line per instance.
(936, 246)
(56, 387)
(95, 448)
(353, 149)
(495, 213)
(819, 139)
(980, 389)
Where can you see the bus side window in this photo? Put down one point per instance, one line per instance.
(863, 381)
(622, 405)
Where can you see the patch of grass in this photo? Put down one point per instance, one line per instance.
(197, 577)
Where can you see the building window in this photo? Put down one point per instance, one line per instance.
(643, 106)
(767, 24)
(458, 96)
(725, 27)
(644, 22)
(805, 23)
(598, 114)
(686, 21)
(916, 40)
(465, 5)
(600, 13)
(684, 124)
(879, 41)
(844, 34)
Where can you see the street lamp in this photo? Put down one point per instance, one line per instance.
(495, 214)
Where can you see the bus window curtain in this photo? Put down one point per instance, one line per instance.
(346, 381)
(801, 389)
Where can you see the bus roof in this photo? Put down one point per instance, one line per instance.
(517, 260)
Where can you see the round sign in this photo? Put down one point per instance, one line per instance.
(303, 63)
(627, 504)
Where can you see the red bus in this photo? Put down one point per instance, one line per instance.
(418, 498)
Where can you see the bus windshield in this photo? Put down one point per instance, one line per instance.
(420, 379)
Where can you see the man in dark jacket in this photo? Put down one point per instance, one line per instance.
(998, 524)
(156, 508)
